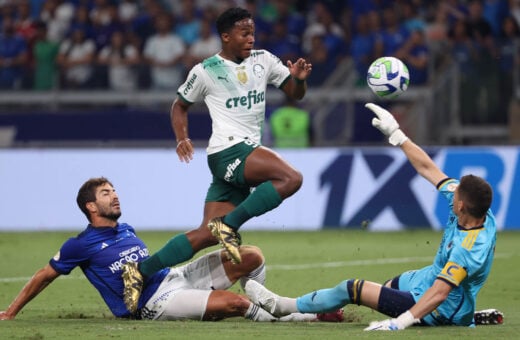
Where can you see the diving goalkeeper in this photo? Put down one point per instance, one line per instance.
(443, 293)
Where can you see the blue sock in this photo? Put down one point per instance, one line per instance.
(324, 300)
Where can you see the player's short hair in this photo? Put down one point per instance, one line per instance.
(227, 19)
(476, 194)
(87, 193)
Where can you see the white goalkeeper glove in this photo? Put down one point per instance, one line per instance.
(387, 124)
(401, 322)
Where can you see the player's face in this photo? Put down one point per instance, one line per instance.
(107, 202)
(241, 38)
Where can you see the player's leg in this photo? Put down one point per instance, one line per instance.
(274, 179)
(370, 294)
(224, 304)
(178, 249)
(183, 246)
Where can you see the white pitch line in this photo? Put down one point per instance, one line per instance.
(372, 262)
(348, 263)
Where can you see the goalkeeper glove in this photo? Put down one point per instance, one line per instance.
(401, 322)
(387, 124)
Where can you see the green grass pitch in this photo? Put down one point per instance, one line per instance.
(297, 262)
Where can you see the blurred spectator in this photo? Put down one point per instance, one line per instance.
(480, 29)
(290, 126)
(394, 33)
(105, 22)
(282, 44)
(13, 56)
(320, 60)
(127, 12)
(295, 22)
(187, 24)
(75, 58)
(509, 61)
(36, 8)
(120, 57)
(481, 32)
(143, 24)
(262, 27)
(24, 24)
(410, 16)
(494, 11)
(57, 14)
(465, 53)
(514, 10)
(362, 48)
(44, 52)
(207, 45)
(414, 53)
(81, 21)
(437, 27)
(325, 26)
(164, 52)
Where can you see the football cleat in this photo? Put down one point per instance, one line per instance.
(133, 285)
(227, 237)
(488, 317)
(336, 316)
(261, 296)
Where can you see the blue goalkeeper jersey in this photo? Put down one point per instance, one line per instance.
(100, 252)
(463, 260)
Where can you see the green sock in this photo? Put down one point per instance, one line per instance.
(178, 249)
(263, 199)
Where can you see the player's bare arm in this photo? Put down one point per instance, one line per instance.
(300, 71)
(41, 279)
(422, 162)
(431, 299)
(179, 121)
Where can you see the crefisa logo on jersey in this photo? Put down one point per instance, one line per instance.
(258, 70)
(189, 84)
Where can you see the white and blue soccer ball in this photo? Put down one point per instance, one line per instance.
(388, 77)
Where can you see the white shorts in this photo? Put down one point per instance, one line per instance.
(184, 292)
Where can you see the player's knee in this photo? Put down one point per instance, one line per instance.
(252, 256)
(294, 181)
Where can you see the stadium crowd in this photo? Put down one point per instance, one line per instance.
(130, 44)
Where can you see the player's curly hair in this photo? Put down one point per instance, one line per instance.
(476, 194)
(87, 193)
(227, 19)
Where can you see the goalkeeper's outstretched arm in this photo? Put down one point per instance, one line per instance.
(386, 123)
(422, 162)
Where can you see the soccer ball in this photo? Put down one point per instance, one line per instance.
(388, 77)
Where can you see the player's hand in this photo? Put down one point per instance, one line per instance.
(386, 123)
(301, 69)
(401, 322)
(385, 325)
(5, 316)
(185, 150)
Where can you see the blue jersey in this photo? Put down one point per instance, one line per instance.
(100, 252)
(463, 260)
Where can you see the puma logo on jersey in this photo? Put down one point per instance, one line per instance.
(223, 78)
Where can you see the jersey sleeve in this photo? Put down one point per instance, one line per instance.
(278, 71)
(193, 89)
(71, 254)
(447, 189)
